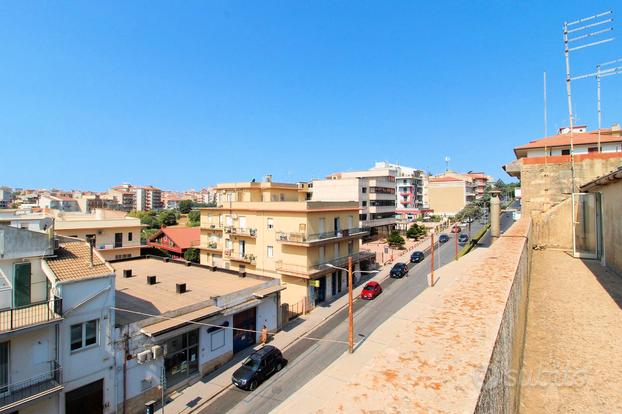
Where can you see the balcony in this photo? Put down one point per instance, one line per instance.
(241, 232)
(237, 257)
(211, 226)
(13, 395)
(308, 272)
(31, 315)
(303, 239)
(212, 246)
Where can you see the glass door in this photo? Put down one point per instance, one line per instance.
(4, 368)
(586, 225)
(21, 285)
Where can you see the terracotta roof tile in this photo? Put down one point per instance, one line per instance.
(184, 237)
(72, 262)
(564, 139)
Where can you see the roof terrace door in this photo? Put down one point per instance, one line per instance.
(587, 225)
(21, 285)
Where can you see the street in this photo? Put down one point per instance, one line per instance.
(307, 358)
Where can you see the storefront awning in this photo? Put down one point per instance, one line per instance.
(262, 293)
(167, 325)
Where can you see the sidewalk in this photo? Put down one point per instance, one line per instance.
(196, 396)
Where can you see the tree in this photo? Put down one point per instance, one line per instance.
(469, 213)
(185, 206)
(194, 218)
(395, 239)
(415, 231)
(192, 255)
(167, 218)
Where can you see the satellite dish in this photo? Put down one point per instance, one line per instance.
(46, 223)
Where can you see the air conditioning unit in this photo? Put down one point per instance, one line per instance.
(157, 351)
(144, 356)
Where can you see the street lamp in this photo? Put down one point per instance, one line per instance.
(350, 309)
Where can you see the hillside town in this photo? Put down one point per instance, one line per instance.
(487, 283)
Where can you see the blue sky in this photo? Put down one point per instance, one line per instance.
(189, 94)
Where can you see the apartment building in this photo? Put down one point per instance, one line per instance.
(55, 324)
(158, 300)
(480, 182)
(272, 229)
(59, 203)
(6, 197)
(115, 236)
(449, 192)
(139, 198)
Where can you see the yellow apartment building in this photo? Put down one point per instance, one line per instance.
(272, 229)
(116, 236)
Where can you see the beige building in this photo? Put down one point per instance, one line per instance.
(271, 229)
(116, 235)
(450, 192)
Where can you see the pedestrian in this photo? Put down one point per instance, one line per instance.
(264, 335)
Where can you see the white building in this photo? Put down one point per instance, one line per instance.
(56, 324)
(6, 195)
(159, 344)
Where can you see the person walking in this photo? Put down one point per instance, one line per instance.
(264, 335)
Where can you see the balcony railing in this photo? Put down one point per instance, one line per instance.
(42, 384)
(238, 231)
(237, 257)
(212, 246)
(318, 237)
(323, 265)
(29, 315)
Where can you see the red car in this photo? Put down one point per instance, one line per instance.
(456, 229)
(371, 290)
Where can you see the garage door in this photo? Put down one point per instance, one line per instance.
(246, 320)
(86, 399)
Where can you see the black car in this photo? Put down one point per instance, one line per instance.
(463, 239)
(399, 270)
(258, 367)
(443, 238)
(416, 257)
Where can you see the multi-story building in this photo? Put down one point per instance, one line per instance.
(56, 324)
(449, 192)
(6, 197)
(139, 198)
(272, 229)
(480, 182)
(52, 202)
(115, 236)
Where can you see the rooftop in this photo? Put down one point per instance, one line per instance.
(202, 284)
(184, 237)
(72, 262)
(287, 206)
(564, 140)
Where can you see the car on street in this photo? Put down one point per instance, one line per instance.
(416, 257)
(399, 270)
(258, 367)
(463, 238)
(456, 229)
(371, 290)
(443, 238)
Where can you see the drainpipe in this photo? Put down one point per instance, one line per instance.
(495, 215)
(125, 354)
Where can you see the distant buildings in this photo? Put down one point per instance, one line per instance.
(273, 229)
(6, 197)
(139, 198)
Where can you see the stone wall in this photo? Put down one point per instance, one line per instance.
(552, 228)
(501, 388)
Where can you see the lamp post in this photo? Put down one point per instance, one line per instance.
(350, 300)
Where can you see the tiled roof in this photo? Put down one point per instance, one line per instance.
(444, 179)
(564, 139)
(184, 237)
(72, 262)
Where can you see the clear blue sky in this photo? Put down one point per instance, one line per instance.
(187, 94)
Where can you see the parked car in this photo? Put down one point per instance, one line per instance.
(443, 238)
(462, 239)
(399, 270)
(416, 257)
(258, 367)
(371, 290)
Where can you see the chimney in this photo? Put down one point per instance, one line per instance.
(180, 288)
(151, 280)
(268, 178)
(91, 242)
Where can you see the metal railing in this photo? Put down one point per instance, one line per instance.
(13, 393)
(33, 314)
(320, 266)
(241, 231)
(309, 238)
(236, 256)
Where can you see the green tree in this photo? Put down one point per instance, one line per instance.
(192, 255)
(167, 218)
(185, 206)
(470, 212)
(415, 231)
(194, 218)
(395, 239)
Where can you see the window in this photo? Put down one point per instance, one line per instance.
(118, 240)
(382, 203)
(364, 190)
(270, 223)
(129, 236)
(364, 203)
(362, 216)
(565, 152)
(122, 256)
(270, 251)
(282, 197)
(83, 335)
(592, 149)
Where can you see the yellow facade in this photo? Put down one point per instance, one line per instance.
(292, 240)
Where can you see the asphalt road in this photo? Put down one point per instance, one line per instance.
(307, 358)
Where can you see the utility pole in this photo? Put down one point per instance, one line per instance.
(456, 245)
(432, 260)
(546, 131)
(601, 74)
(350, 309)
(447, 159)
